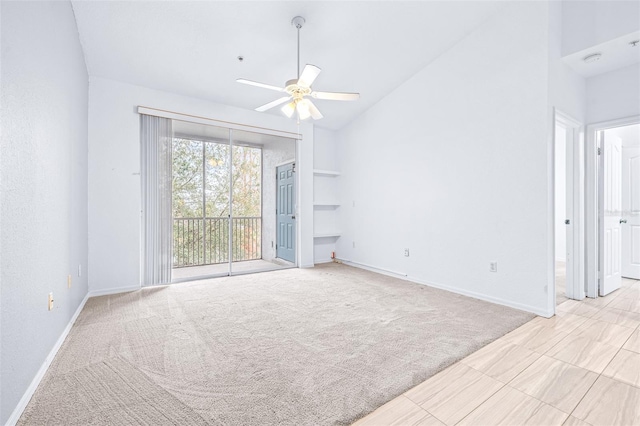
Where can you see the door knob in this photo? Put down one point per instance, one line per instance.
(623, 220)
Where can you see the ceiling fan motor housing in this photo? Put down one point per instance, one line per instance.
(298, 92)
(298, 22)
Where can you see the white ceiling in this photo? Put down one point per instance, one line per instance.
(191, 48)
(616, 53)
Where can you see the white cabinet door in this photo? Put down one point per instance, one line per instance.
(630, 227)
(610, 216)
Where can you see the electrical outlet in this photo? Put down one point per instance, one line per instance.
(50, 301)
(80, 270)
(69, 281)
(406, 252)
(493, 267)
(354, 244)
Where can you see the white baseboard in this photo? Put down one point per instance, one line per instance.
(371, 268)
(320, 261)
(24, 401)
(496, 300)
(115, 290)
(492, 299)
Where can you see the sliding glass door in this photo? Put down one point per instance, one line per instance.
(220, 199)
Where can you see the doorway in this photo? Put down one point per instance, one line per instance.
(568, 214)
(619, 206)
(561, 221)
(613, 205)
(221, 199)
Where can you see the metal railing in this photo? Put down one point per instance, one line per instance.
(205, 241)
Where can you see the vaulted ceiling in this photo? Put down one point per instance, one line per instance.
(191, 48)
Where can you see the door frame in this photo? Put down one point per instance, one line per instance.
(575, 156)
(594, 177)
(295, 206)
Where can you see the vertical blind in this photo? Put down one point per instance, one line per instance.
(156, 144)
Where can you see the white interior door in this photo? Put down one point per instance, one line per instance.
(569, 221)
(630, 226)
(610, 215)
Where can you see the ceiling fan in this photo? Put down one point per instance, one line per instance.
(299, 89)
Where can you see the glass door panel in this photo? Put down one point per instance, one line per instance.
(201, 195)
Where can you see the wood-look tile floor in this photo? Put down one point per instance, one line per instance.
(580, 367)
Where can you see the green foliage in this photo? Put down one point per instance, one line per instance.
(201, 184)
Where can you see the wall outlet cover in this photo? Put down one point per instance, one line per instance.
(50, 304)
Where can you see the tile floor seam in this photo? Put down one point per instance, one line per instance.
(599, 375)
(434, 416)
(475, 381)
(559, 360)
(613, 378)
(415, 403)
(538, 399)
(479, 405)
(540, 402)
(545, 352)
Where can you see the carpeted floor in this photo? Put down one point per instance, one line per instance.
(321, 346)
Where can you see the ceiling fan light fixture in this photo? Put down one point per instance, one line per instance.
(303, 109)
(289, 109)
(298, 88)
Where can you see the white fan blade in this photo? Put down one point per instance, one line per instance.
(273, 104)
(255, 83)
(336, 96)
(315, 113)
(309, 74)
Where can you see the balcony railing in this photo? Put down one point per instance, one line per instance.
(205, 241)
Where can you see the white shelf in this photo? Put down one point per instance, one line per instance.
(328, 173)
(326, 204)
(327, 235)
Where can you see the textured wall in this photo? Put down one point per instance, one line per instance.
(44, 186)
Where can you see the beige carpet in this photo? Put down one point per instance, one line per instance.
(321, 346)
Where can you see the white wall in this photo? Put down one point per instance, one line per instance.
(454, 166)
(560, 193)
(567, 88)
(614, 95)
(589, 23)
(114, 174)
(44, 191)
